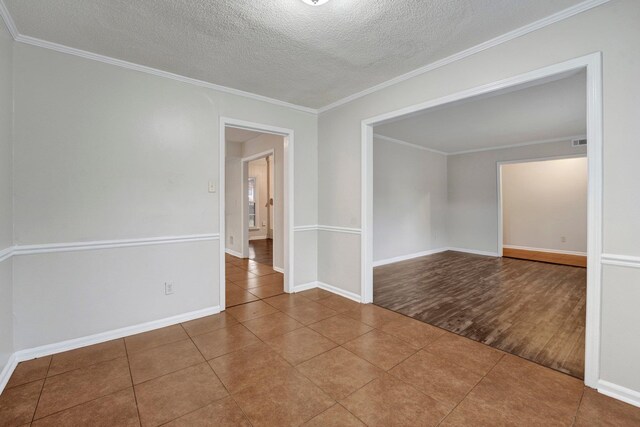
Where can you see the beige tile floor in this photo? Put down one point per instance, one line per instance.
(311, 358)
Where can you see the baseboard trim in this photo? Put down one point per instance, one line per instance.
(473, 251)
(101, 337)
(545, 256)
(551, 251)
(233, 253)
(278, 269)
(258, 237)
(347, 294)
(7, 371)
(624, 394)
(407, 257)
(304, 287)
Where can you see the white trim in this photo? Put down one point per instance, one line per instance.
(288, 168)
(520, 144)
(593, 64)
(46, 350)
(233, 253)
(407, 257)
(106, 244)
(408, 144)
(7, 371)
(621, 260)
(278, 269)
(340, 292)
(334, 229)
(7, 253)
(473, 251)
(304, 287)
(624, 394)
(534, 26)
(8, 20)
(306, 228)
(549, 251)
(263, 237)
(330, 288)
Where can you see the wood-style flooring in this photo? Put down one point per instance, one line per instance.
(261, 251)
(531, 309)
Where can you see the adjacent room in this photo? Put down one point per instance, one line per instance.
(480, 219)
(319, 213)
(254, 205)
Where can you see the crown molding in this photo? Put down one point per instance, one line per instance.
(551, 19)
(408, 144)
(534, 26)
(6, 16)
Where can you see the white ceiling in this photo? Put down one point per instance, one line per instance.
(283, 49)
(545, 111)
(239, 135)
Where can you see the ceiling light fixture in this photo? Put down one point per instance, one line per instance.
(315, 2)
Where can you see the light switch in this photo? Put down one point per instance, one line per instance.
(212, 187)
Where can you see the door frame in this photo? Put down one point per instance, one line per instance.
(592, 63)
(288, 144)
(499, 165)
(244, 175)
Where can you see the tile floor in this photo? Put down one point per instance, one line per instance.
(312, 359)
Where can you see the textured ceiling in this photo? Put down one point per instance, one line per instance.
(283, 49)
(536, 113)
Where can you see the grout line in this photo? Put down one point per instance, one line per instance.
(575, 416)
(33, 417)
(133, 386)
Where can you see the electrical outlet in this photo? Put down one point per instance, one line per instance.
(212, 187)
(231, 240)
(563, 239)
(168, 288)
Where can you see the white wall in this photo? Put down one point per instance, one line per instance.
(473, 192)
(409, 200)
(544, 204)
(105, 153)
(6, 197)
(611, 29)
(262, 143)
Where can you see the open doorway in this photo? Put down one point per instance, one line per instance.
(451, 273)
(256, 237)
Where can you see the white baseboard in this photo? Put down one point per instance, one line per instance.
(233, 253)
(551, 251)
(327, 287)
(278, 269)
(258, 237)
(46, 350)
(624, 394)
(304, 287)
(341, 292)
(473, 251)
(7, 371)
(407, 257)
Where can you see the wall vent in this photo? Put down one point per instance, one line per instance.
(578, 142)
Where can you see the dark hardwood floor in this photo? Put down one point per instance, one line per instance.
(261, 251)
(531, 309)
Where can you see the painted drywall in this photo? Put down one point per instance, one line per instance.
(105, 153)
(611, 29)
(409, 200)
(544, 204)
(258, 170)
(473, 192)
(6, 193)
(233, 198)
(266, 142)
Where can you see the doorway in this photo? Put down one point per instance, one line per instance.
(591, 65)
(235, 206)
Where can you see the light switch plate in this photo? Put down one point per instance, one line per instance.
(212, 187)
